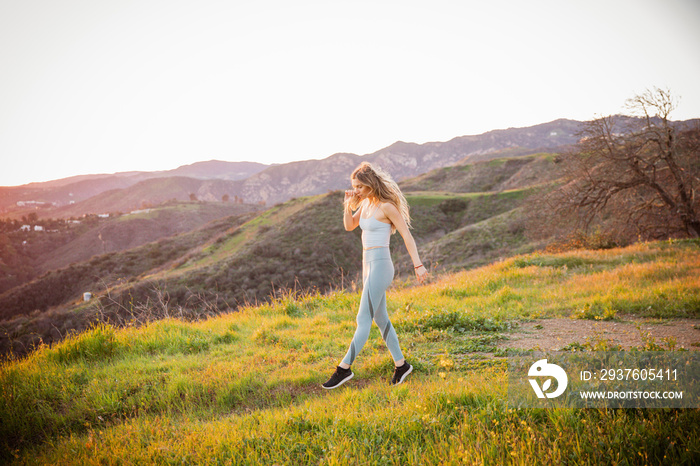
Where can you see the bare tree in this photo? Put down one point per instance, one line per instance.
(635, 176)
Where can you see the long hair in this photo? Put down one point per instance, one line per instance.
(383, 189)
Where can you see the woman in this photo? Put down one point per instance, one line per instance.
(381, 209)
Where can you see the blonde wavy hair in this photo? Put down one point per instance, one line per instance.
(382, 189)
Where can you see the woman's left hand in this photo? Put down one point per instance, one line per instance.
(421, 274)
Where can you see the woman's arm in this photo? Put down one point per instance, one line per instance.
(393, 214)
(350, 221)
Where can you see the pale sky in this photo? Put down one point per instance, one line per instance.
(115, 85)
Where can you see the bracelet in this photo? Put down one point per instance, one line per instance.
(418, 266)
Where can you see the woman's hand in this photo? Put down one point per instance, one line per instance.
(349, 194)
(421, 274)
(350, 220)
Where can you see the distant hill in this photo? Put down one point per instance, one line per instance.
(27, 255)
(63, 288)
(132, 230)
(150, 192)
(216, 170)
(73, 190)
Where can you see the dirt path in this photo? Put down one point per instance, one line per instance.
(630, 331)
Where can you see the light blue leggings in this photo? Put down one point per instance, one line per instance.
(377, 274)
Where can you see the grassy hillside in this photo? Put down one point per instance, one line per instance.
(302, 245)
(506, 173)
(463, 230)
(297, 245)
(243, 387)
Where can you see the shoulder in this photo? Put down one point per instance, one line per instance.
(389, 209)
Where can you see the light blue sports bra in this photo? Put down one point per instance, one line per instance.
(374, 233)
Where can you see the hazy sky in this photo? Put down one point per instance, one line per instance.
(114, 85)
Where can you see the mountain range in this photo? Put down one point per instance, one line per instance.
(255, 183)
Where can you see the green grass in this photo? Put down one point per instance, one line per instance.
(157, 211)
(432, 198)
(243, 388)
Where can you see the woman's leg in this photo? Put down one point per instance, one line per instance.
(378, 275)
(384, 269)
(364, 321)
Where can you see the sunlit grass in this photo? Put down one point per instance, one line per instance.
(243, 388)
(431, 198)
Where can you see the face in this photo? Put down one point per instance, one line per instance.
(361, 190)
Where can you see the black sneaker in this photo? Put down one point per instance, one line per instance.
(400, 373)
(339, 377)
